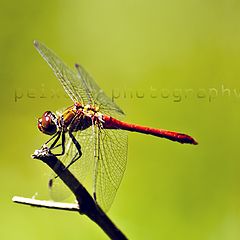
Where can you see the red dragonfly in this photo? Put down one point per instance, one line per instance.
(90, 130)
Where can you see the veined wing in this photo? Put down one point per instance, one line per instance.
(110, 165)
(69, 78)
(104, 154)
(98, 96)
(78, 84)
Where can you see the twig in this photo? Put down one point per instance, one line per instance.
(46, 204)
(87, 205)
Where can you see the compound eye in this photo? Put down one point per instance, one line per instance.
(47, 123)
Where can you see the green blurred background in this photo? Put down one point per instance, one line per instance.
(162, 49)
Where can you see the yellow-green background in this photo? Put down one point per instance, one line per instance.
(170, 191)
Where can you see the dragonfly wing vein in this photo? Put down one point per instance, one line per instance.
(112, 160)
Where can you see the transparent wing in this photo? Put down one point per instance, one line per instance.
(81, 169)
(98, 96)
(110, 165)
(78, 84)
(110, 150)
(69, 79)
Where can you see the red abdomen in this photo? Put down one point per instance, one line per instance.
(112, 123)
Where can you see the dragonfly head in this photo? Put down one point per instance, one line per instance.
(48, 123)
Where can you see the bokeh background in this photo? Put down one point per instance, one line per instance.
(168, 64)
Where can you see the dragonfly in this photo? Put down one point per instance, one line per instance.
(91, 132)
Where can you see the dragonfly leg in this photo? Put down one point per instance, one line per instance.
(75, 158)
(49, 140)
(55, 145)
(50, 183)
(58, 145)
(56, 136)
(63, 144)
(78, 146)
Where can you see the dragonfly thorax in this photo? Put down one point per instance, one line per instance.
(86, 109)
(78, 117)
